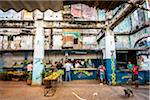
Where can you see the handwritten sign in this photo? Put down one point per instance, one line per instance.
(82, 73)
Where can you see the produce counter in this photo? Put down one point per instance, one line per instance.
(13, 75)
(84, 73)
(122, 76)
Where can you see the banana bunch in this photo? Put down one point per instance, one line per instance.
(9, 72)
(61, 72)
(17, 73)
(53, 76)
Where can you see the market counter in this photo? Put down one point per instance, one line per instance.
(123, 76)
(84, 73)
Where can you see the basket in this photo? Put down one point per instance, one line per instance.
(48, 83)
(49, 87)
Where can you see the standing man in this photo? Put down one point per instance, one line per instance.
(135, 75)
(130, 66)
(68, 67)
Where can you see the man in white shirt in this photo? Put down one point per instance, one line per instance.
(68, 67)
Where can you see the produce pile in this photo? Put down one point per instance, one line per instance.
(46, 73)
(61, 72)
(54, 75)
(16, 72)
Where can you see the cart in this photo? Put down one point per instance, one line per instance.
(49, 87)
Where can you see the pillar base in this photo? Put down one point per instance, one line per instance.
(109, 71)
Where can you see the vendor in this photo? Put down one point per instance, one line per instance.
(15, 64)
(130, 66)
(59, 65)
(77, 64)
(30, 66)
(90, 64)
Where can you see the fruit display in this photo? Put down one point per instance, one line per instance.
(10, 72)
(46, 73)
(61, 72)
(15, 72)
(53, 76)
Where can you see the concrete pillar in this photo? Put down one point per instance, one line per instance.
(110, 57)
(38, 54)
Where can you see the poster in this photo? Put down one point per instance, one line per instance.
(76, 10)
(74, 32)
(89, 13)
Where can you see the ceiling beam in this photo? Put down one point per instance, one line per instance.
(134, 31)
(127, 10)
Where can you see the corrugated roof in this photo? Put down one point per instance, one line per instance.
(31, 5)
(56, 5)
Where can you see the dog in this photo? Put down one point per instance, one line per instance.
(128, 92)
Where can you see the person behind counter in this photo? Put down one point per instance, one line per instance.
(90, 64)
(59, 65)
(15, 64)
(77, 64)
(130, 65)
(68, 67)
(30, 66)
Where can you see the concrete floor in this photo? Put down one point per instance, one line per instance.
(11, 90)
